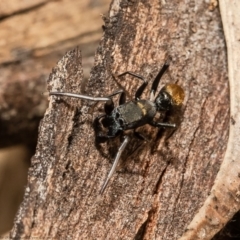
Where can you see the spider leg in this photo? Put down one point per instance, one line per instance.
(140, 136)
(157, 80)
(100, 137)
(96, 122)
(164, 125)
(141, 88)
(108, 100)
(109, 105)
(115, 163)
(104, 137)
(96, 99)
(122, 98)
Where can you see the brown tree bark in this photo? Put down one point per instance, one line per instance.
(161, 186)
(34, 35)
(223, 203)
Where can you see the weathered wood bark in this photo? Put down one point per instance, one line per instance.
(163, 184)
(223, 203)
(34, 35)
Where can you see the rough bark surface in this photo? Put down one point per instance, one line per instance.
(34, 35)
(163, 184)
(223, 203)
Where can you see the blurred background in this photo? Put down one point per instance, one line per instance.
(34, 35)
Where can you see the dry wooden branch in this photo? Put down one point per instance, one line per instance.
(224, 199)
(162, 185)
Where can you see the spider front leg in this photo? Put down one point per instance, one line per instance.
(163, 125)
(141, 88)
(109, 105)
(115, 163)
(81, 96)
(157, 80)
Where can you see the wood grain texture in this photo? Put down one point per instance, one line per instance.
(57, 21)
(162, 185)
(8, 8)
(33, 37)
(224, 200)
(25, 67)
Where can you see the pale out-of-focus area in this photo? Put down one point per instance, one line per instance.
(34, 35)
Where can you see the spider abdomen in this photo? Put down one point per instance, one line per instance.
(134, 114)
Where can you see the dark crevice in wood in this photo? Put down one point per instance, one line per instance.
(231, 231)
(10, 63)
(159, 182)
(141, 231)
(67, 41)
(26, 10)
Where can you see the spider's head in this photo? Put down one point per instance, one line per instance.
(171, 95)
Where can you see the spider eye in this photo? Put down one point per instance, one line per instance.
(163, 101)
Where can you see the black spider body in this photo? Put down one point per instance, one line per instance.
(130, 115)
(133, 114)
